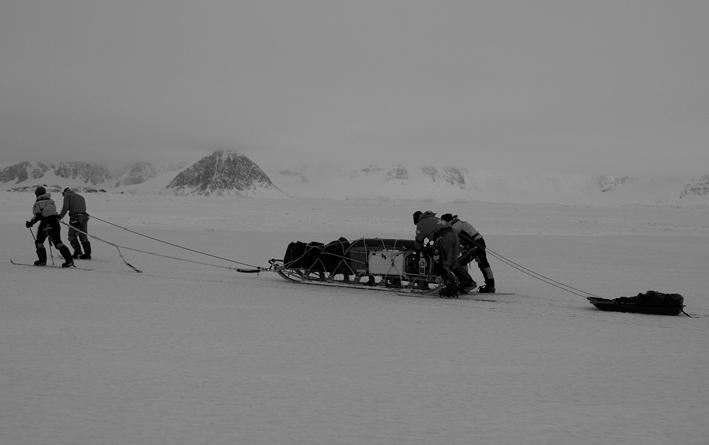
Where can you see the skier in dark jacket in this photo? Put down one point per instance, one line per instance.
(45, 211)
(428, 226)
(75, 205)
(473, 249)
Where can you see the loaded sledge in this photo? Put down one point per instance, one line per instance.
(384, 264)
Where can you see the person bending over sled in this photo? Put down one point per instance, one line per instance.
(456, 278)
(473, 249)
(45, 211)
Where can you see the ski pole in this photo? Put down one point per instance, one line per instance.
(32, 233)
(49, 238)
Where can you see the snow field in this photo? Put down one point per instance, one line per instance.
(190, 353)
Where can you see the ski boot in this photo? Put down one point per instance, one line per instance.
(77, 248)
(488, 288)
(42, 255)
(87, 251)
(68, 260)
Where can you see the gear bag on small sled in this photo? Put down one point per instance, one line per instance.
(651, 302)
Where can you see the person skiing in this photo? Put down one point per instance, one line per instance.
(45, 211)
(473, 249)
(75, 205)
(428, 226)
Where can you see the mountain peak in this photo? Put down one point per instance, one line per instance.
(697, 187)
(222, 172)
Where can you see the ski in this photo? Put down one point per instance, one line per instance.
(54, 266)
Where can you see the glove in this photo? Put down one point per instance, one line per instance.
(28, 224)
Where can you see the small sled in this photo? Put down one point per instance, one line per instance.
(651, 302)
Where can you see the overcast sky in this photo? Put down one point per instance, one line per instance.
(612, 85)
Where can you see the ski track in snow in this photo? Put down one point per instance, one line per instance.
(186, 353)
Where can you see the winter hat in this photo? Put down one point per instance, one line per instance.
(66, 190)
(417, 216)
(447, 217)
(40, 191)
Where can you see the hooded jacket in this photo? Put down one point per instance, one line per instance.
(428, 227)
(465, 231)
(44, 207)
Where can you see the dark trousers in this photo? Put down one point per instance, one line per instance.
(49, 228)
(476, 251)
(454, 273)
(78, 228)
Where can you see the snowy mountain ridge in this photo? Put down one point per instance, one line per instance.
(226, 173)
(77, 172)
(448, 183)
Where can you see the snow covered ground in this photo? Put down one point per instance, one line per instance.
(189, 353)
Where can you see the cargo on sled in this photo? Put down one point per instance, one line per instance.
(366, 263)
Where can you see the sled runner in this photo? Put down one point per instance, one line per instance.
(651, 302)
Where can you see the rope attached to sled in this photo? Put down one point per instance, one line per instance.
(173, 245)
(543, 278)
(146, 252)
(551, 281)
(118, 247)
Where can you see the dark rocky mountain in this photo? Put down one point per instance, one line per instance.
(608, 183)
(451, 175)
(697, 187)
(22, 171)
(223, 173)
(398, 173)
(90, 174)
